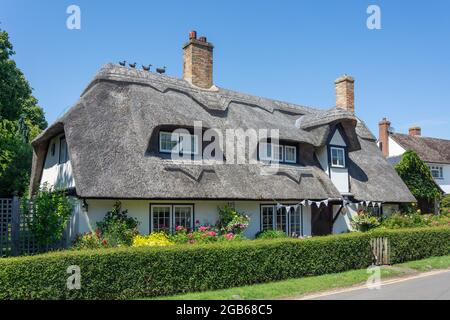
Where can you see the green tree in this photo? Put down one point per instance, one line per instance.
(417, 176)
(21, 120)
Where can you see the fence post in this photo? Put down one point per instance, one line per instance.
(15, 226)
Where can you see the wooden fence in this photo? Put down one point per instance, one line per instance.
(381, 250)
(16, 237)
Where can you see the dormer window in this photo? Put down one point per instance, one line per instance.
(175, 142)
(278, 153)
(337, 157)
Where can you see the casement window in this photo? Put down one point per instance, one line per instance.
(63, 152)
(267, 217)
(290, 154)
(166, 217)
(278, 153)
(337, 157)
(182, 216)
(183, 143)
(437, 171)
(288, 222)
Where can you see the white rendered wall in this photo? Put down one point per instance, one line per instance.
(394, 148)
(204, 211)
(55, 174)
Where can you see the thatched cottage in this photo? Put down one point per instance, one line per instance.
(117, 143)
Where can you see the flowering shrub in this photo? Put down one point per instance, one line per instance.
(90, 240)
(118, 227)
(414, 220)
(232, 221)
(155, 239)
(363, 221)
(202, 234)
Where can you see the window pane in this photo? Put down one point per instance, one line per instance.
(290, 154)
(281, 220)
(295, 222)
(183, 217)
(337, 157)
(161, 218)
(63, 154)
(168, 142)
(267, 218)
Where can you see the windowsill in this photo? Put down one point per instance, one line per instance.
(339, 167)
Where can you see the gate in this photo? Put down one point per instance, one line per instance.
(381, 250)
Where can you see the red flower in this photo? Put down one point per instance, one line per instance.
(212, 234)
(229, 235)
(179, 228)
(203, 228)
(104, 242)
(190, 235)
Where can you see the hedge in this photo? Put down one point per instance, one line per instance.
(125, 273)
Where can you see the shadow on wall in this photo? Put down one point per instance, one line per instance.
(356, 172)
(64, 178)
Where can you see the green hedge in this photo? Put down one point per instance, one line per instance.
(126, 273)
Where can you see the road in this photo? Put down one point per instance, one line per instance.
(429, 286)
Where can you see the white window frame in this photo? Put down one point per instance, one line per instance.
(176, 137)
(272, 207)
(437, 168)
(338, 149)
(153, 206)
(295, 154)
(191, 218)
(276, 150)
(287, 218)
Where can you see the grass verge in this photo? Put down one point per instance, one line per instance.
(308, 285)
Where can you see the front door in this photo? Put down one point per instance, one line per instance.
(321, 220)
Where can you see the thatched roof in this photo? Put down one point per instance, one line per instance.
(429, 149)
(108, 132)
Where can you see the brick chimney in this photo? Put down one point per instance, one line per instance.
(415, 131)
(345, 93)
(383, 137)
(198, 61)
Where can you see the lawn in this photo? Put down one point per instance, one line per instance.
(308, 285)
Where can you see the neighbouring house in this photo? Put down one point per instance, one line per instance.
(117, 143)
(434, 152)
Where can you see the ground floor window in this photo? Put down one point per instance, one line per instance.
(281, 220)
(166, 217)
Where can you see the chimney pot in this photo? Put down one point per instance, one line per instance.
(193, 35)
(415, 131)
(345, 93)
(202, 39)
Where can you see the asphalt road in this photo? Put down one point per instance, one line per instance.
(427, 287)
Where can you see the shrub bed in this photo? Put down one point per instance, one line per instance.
(124, 273)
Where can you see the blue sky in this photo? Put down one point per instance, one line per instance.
(287, 50)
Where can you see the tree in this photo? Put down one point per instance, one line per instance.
(417, 176)
(21, 120)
